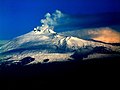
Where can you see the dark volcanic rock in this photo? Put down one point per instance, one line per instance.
(26, 60)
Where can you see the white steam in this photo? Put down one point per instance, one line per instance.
(51, 19)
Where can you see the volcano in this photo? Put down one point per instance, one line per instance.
(44, 45)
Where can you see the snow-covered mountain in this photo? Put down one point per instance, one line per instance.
(45, 45)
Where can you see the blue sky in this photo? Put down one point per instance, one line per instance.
(21, 16)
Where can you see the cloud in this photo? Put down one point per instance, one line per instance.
(107, 35)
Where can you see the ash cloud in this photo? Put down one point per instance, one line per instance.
(107, 35)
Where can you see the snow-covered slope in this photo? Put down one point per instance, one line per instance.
(47, 39)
